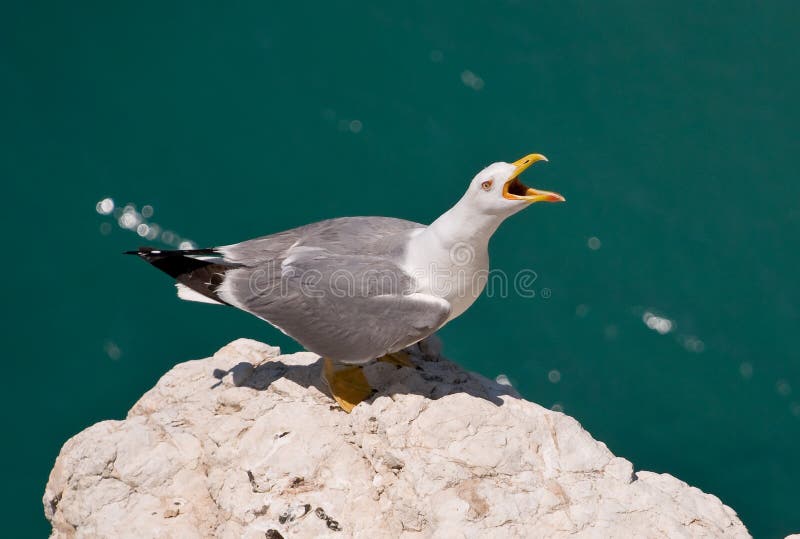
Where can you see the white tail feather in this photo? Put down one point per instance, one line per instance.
(186, 293)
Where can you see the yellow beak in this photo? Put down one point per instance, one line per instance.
(516, 190)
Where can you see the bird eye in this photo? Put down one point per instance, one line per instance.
(486, 185)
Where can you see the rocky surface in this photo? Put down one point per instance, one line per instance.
(248, 444)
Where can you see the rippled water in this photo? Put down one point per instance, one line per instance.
(666, 308)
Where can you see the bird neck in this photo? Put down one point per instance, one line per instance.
(463, 224)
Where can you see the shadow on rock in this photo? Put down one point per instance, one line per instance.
(433, 377)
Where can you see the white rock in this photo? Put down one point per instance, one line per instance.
(249, 441)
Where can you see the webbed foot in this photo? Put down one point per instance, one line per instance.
(400, 358)
(347, 384)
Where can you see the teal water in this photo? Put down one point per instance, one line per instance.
(666, 313)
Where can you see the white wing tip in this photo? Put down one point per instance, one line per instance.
(186, 293)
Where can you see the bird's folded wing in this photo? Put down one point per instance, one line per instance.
(346, 307)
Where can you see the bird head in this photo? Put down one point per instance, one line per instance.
(498, 190)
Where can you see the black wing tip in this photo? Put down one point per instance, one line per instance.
(141, 251)
(152, 251)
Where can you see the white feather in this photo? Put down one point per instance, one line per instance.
(186, 293)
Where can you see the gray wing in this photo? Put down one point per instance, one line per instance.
(346, 235)
(348, 307)
(335, 287)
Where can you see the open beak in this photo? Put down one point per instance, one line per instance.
(516, 190)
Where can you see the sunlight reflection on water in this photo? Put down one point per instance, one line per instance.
(128, 217)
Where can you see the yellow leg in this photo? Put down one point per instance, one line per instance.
(401, 358)
(348, 385)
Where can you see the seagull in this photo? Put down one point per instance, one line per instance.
(357, 289)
